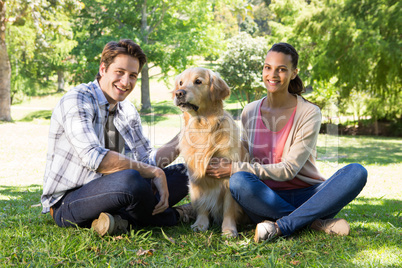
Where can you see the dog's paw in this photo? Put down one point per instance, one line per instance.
(199, 227)
(201, 224)
(230, 233)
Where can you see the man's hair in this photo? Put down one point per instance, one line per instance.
(123, 47)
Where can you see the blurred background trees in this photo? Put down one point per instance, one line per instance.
(350, 50)
(36, 41)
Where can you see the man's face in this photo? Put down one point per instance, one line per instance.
(119, 79)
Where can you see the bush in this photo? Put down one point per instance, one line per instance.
(241, 66)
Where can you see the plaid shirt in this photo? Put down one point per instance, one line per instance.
(77, 143)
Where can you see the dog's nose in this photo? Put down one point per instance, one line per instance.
(180, 94)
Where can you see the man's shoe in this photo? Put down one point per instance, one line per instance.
(108, 224)
(332, 226)
(186, 213)
(265, 230)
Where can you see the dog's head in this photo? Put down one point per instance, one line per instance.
(199, 89)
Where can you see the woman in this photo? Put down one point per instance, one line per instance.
(280, 188)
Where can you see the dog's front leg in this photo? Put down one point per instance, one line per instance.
(229, 228)
(202, 222)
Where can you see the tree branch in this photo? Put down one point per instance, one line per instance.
(156, 24)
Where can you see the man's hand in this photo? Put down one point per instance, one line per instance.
(159, 181)
(114, 162)
(219, 168)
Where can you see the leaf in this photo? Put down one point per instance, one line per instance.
(171, 240)
(295, 263)
(147, 252)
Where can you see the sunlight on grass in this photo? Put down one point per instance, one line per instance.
(5, 197)
(374, 227)
(385, 256)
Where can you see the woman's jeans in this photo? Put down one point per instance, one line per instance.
(294, 209)
(123, 193)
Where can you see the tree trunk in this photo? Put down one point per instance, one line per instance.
(60, 81)
(5, 69)
(145, 99)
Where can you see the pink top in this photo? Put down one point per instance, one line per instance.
(268, 149)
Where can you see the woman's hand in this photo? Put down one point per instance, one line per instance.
(160, 183)
(219, 167)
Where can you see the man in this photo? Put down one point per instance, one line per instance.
(101, 170)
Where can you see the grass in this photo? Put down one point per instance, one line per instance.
(29, 238)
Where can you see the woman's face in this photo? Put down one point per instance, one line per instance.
(278, 71)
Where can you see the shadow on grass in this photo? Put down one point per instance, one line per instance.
(162, 108)
(152, 119)
(375, 210)
(42, 114)
(159, 112)
(235, 113)
(363, 149)
(20, 204)
(20, 196)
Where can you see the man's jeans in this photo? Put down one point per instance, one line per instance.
(125, 193)
(294, 209)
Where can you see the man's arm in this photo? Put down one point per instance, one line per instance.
(168, 152)
(114, 162)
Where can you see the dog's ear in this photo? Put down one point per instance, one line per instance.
(219, 90)
(176, 86)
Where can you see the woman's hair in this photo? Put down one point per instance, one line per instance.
(296, 85)
(123, 47)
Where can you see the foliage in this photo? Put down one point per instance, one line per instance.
(262, 16)
(357, 42)
(248, 25)
(226, 16)
(241, 66)
(39, 40)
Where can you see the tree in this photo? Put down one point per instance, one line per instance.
(262, 16)
(34, 26)
(169, 32)
(5, 68)
(242, 64)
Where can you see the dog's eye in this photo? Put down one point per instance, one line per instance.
(198, 82)
(181, 83)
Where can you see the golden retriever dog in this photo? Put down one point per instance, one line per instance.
(208, 132)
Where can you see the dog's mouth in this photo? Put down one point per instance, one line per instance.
(187, 105)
